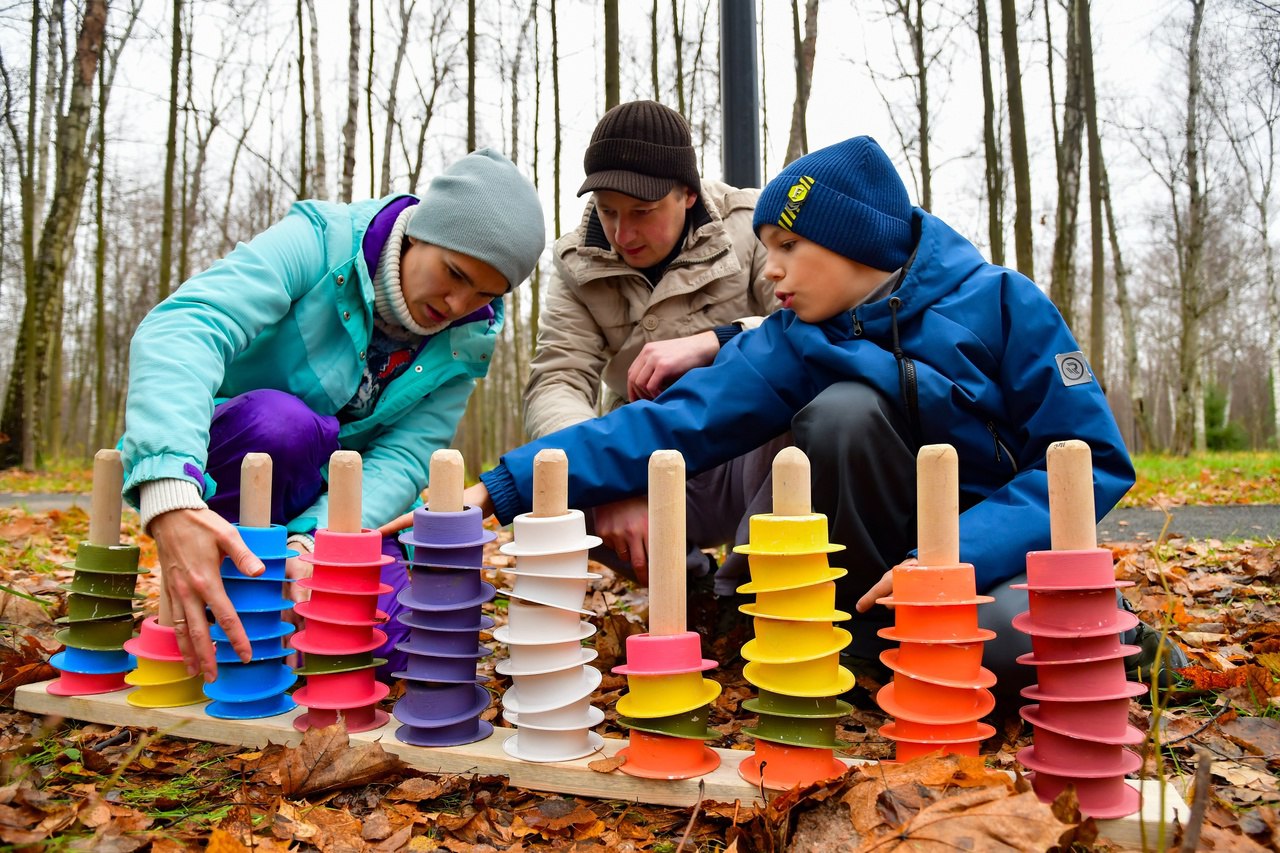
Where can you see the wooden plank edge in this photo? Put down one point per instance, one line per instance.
(487, 758)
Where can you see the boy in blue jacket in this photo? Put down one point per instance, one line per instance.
(894, 333)
(357, 326)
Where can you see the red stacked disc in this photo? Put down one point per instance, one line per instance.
(340, 632)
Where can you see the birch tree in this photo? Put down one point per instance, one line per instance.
(806, 48)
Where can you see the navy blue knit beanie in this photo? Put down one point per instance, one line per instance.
(847, 198)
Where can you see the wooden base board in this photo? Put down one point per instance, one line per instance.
(487, 758)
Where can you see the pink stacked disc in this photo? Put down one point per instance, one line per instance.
(340, 632)
(1081, 719)
(549, 701)
(940, 689)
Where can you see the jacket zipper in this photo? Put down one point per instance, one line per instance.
(857, 324)
(1000, 445)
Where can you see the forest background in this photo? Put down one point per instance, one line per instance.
(1122, 154)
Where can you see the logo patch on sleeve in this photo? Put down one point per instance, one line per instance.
(1073, 368)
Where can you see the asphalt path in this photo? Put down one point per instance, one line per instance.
(1253, 521)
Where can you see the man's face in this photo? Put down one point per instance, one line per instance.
(643, 232)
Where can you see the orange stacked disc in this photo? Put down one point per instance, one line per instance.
(940, 689)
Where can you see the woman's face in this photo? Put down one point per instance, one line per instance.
(441, 285)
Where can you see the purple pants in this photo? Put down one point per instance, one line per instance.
(299, 442)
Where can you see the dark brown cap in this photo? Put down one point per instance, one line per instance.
(641, 149)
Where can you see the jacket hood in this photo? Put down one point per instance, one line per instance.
(942, 261)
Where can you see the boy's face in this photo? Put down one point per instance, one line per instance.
(812, 280)
(440, 285)
(643, 232)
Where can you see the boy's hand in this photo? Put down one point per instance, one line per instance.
(190, 544)
(662, 362)
(624, 527)
(883, 587)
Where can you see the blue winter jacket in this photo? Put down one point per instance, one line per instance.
(979, 345)
(292, 310)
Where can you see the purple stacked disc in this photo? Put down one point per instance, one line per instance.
(443, 700)
(1081, 722)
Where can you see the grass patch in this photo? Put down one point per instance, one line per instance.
(1209, 479)
(68, 476)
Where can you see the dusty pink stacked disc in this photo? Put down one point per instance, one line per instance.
(341, 633)
(1081, 719)
(940, 689)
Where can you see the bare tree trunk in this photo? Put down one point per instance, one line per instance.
(51, 104)
(1128, 327)
(611, 54)
(368, 100)
(653, 52)
(1190, 393)
(677, 35)
(1023, 246)
(303, 167)
(764, 95)
(805, 49)
(406, 16)
(535, 283)
(1098, 283)
(101, 438)
(320, 171)
(1062, 280)
(471, 75)
(353, 102)
(994, 173)
(69, 180)
(170, 158)
(555, 108)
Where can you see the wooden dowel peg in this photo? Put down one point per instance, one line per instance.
(550, 483)
(667, 546)
(346, 480)
(104, 507)
(938, 505)
(444, 491)
(792, 488)
(1073, 526)
(255, 490)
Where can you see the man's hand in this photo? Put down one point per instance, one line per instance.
(662, 362)
(882, 588)
(624, 527)
(191, 543)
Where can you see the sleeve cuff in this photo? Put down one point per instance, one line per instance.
(502, 491)
(157, 497)
(302, 542)
(724, 334)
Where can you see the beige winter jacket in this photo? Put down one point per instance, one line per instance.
(598, 312)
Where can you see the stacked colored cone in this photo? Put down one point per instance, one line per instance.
(549, 701)
(161, 676)
(99, 621)
(443, 702)
(1081, 724)
(794, 658)
(339, 633)
(248, 691)
(940, 688)
(666, 707)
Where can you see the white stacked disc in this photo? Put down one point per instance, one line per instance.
(549, 701)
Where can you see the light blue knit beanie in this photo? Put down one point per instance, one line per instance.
(847, 198)
(483, 207)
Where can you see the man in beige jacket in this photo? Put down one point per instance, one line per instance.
(663, 269)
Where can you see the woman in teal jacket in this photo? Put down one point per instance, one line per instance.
(358, 326)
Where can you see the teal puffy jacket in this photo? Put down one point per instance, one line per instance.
(292, 310)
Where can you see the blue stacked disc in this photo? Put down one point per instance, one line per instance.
(259, 688)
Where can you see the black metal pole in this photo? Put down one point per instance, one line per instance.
(739, 90)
